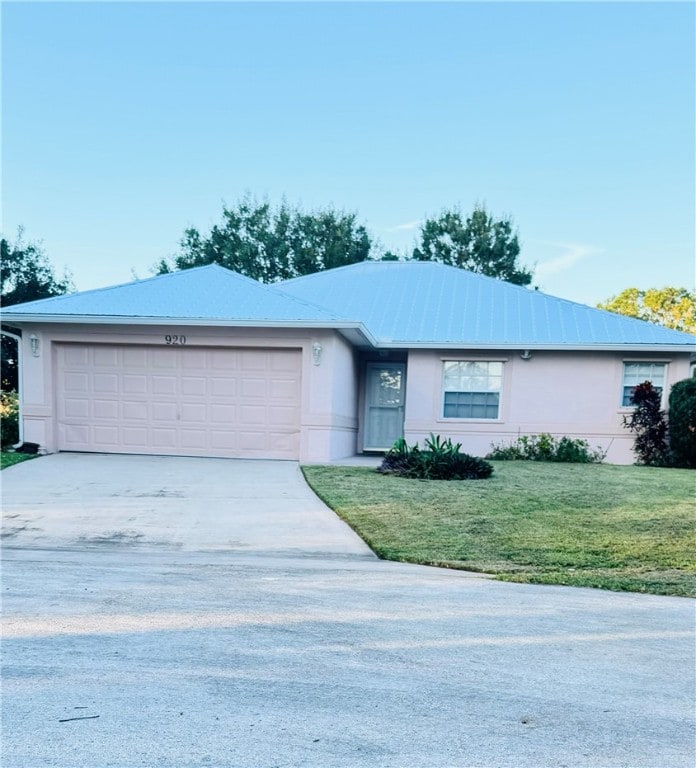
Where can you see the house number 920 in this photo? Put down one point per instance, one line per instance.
(174, 339)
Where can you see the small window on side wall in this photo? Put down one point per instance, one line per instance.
(471, 389)
(636, 373)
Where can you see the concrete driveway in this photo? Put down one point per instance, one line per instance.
(202, 612)
(185, 504)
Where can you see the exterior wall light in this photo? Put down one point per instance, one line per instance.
(316, 353)
(34, 344)
(526, 354)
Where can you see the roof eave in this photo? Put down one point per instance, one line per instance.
(623, 347)
(19, 320)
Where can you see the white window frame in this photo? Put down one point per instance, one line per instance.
(641, 378)
(444, 390)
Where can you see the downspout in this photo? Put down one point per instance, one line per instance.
(20, 420)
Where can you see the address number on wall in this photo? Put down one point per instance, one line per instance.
(174, 339)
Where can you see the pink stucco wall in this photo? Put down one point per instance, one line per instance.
(565, 393)
(577, 394)
(329, 410)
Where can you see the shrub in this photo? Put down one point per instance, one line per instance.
(438, 460)
(9, 418)
(650, 426)
(545, 447)
(682, 423)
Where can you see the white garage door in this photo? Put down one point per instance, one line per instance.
(179, 400)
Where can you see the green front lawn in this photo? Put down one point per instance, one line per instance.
(614, 527)
(8, 459)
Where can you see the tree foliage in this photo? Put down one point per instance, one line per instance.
(682, 423)
(25, 275)
(271, 244)
(648, 423)
(672, 307)
(478, 243)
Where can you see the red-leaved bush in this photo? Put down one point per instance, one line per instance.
(650, 426)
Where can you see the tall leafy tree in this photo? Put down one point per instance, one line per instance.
(271, 244)
(672, 307)
(26, 274)
(478, 243)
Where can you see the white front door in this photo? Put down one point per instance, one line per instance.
(385, 390)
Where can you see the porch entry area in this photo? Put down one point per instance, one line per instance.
(385, 396)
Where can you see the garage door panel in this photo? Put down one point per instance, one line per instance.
(132, 411)
(223, 387)
(104, 383)
(78, 409)
(134, 437)
(164, 411)
(252, 414)
(77, 356)
(223, 441)
(283, 442)
(134, 385)
(163, 359)
(252, 441)
(106, 438)
(192, 439)
(193, 386)
(281, 361)
(105, 357)
(280, 416)
(251, 360)
(75, 437)
(134, 357)
(107, 410)
(195, 359)
(253, 388)
(193, 414)
(219, 402)
(76, 382)
(282, 389)
(222, 414)
(224, 360)
(163, 438)
(163, 385)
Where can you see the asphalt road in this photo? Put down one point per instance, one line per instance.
(167, 629)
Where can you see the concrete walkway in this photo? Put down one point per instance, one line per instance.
(143, 650)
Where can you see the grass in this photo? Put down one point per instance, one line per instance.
(8, 459)
(590, 525)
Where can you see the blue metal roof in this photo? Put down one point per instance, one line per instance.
(412, 304)
(204, 293)
(388, 304)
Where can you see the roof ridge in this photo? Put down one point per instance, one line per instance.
(332, 269)
(305, 302)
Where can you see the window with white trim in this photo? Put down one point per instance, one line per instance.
(636, 373)
(471, 389)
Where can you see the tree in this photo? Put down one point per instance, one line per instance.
(25, 275)
(271, 244)
(649, 424)
(682, 423)
(672, 307)
(480, 244)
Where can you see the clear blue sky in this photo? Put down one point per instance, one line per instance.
(124, 123)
